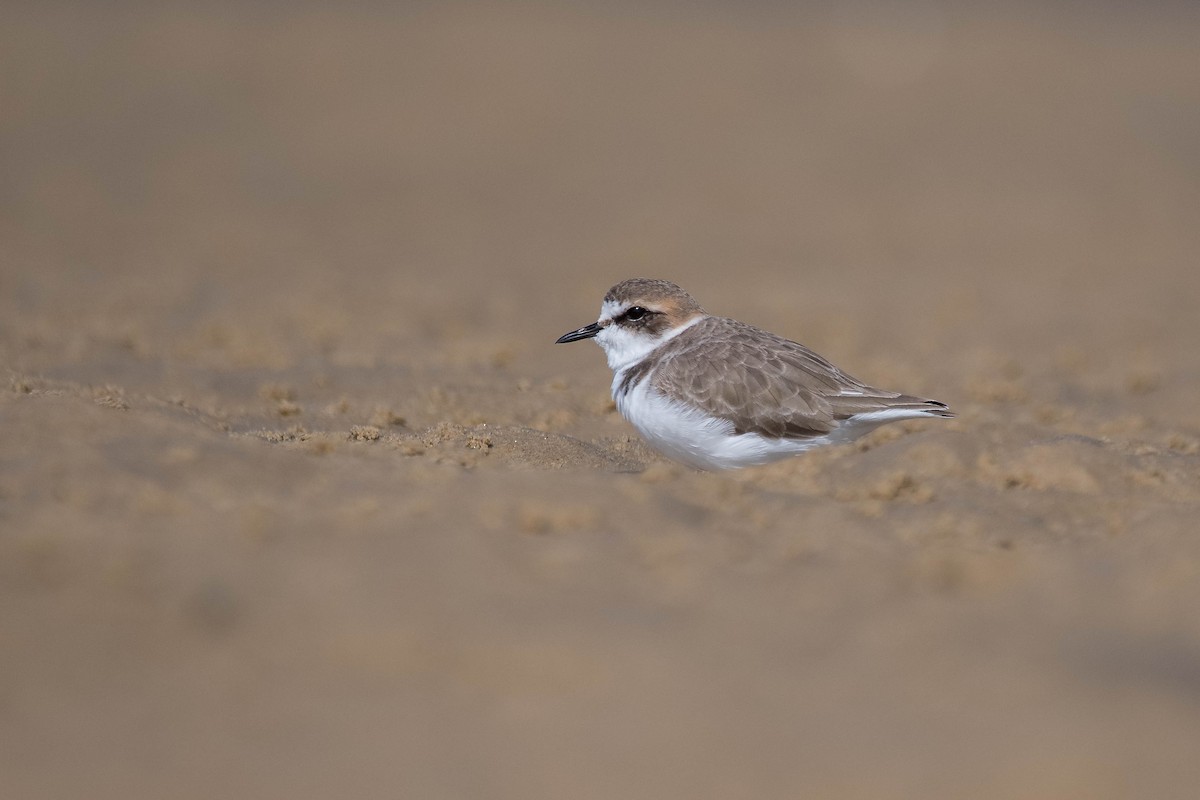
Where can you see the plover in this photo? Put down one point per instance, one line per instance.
(715, 393)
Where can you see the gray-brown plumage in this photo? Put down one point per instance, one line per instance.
(766, 384)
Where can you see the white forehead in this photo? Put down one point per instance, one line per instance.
(611, 308)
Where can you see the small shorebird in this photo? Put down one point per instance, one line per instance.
(715, 393)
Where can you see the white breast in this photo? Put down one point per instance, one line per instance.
(688, 435)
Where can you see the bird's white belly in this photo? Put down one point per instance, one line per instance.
(692, 437)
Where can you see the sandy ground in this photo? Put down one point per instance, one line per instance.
(298, 499)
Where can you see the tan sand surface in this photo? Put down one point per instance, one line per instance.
(299, 500)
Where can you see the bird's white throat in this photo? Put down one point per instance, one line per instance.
(624, 347)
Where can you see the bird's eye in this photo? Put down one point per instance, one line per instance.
(635, 313)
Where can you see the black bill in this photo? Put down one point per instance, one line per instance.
(586, 332)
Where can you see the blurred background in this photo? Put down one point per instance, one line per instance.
(297, 497)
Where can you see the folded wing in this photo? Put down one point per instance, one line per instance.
(765, 384)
